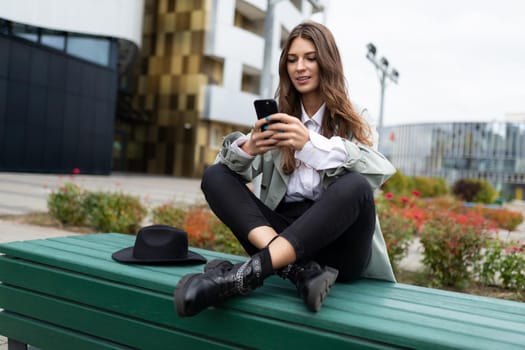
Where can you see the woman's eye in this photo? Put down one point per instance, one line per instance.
(292, 60)
(314, 58)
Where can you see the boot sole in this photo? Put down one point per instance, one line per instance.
(178, 295)
(319, 288)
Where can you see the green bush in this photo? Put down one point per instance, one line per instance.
(487, 193)
(398, 230)
(504, 262)
(398, 183)
(169, 214)
(403, 185)
(114, 212)
(430, 186)
(512, 268)
(65, 204)
(225, 241)
(474, 190)
(452, 246)
(204, 229)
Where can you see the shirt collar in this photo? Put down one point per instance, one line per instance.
(317, 118)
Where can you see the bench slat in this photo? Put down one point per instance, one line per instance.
(121, 330)
(438, 306)
(46, 336)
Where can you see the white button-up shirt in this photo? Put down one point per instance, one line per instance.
(319, 153)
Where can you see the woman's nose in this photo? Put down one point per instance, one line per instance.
(300, 64)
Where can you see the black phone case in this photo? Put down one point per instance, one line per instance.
(264, 108)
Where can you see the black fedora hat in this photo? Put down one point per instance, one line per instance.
(159, 244)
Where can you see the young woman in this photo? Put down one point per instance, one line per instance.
(313, 221)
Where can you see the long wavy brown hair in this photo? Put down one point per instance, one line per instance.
(340, 118)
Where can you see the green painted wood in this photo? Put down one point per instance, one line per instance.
(45, 336)
(386, 313)
(99, 323)
(439, 298)
(245, 329)
(446, 306)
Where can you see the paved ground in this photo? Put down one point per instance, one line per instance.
(22, 193)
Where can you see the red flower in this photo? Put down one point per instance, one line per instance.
(76, 171)
(389, 195)
(404, 200)
(416, 193)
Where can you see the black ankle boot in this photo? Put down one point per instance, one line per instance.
(217, 264)
(196, 292)
(312, 281)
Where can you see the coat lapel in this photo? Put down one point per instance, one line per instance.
(277, 156)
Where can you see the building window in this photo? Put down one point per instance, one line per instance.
(24, 31)
(284, 36)
(54, 39)
(213, 68)
(92, 49)
(298, 4)
(249, 18)
(251, 79)
(5, 27)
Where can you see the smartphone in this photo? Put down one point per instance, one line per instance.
(265, 107)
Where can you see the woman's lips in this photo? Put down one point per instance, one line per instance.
(302, 80)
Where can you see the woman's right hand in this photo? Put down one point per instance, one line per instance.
(260, 141)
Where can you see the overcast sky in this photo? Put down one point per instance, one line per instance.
(459, 60)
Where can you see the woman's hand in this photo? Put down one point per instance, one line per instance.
(260, 140)
(288, 131)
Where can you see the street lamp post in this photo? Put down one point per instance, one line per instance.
(383, 72)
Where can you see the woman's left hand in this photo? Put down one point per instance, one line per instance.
(289, 131)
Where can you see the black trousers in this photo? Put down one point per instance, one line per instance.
(336, 230)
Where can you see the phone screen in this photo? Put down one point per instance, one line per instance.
(265, 107)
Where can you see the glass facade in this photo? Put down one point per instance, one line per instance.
(493, 151)
(99, 50)
(57, 105)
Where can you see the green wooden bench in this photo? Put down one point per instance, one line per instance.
(67, 293)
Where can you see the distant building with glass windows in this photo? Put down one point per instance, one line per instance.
(60, 65)
(492, 151)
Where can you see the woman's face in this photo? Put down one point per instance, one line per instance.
(302, 66)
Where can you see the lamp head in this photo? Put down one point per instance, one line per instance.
(371, 49)
(395, 73)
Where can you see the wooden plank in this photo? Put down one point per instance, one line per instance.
(441, 298)
(45, 336)
(245, 329)
(99, 323)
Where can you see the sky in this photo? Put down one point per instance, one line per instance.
(458, 60)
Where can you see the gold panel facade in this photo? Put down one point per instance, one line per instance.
(170, 88)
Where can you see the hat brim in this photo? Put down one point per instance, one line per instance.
(126, 256)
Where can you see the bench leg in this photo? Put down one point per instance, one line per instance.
(15, 345)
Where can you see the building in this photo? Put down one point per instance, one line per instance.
(492, 151)
(198, 74)
(60, 62)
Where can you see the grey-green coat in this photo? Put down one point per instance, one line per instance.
(273, 184)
